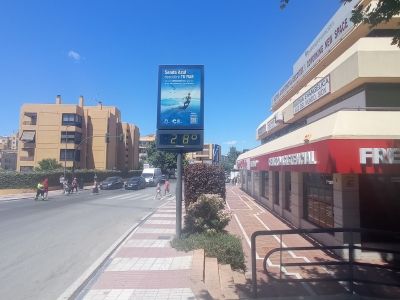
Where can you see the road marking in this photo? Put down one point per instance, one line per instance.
(128, 196)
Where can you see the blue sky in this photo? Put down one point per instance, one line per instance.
(111, 50)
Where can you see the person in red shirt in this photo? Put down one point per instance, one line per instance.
(166, 188)
(46, 188)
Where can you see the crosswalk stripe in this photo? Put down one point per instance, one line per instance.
(128, 196)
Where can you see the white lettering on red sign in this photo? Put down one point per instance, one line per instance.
(380, 155)
(302, 158)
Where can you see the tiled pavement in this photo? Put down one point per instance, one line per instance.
(145, 266)
(249, 216)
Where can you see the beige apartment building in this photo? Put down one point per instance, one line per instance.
(330, 151)
(9, 142)
(58, 130)
(207, 156)
(144, 141)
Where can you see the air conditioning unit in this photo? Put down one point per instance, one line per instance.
(279, 117)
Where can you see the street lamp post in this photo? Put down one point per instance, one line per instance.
(65, 153)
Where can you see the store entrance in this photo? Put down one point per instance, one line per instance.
(379, 204)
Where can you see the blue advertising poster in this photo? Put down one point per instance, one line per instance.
(216, 154)
(180, 97)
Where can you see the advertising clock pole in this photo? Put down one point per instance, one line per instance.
(179, 195)
(180, 118)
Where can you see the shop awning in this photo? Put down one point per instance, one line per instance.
(28, 136)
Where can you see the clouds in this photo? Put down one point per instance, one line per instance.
(74, 55)
(230, 143)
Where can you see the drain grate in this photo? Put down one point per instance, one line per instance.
(163, 237)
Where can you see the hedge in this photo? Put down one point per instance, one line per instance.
(29, 180)
(203, 179)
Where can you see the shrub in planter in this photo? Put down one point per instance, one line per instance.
(206, 215)
(203, 179)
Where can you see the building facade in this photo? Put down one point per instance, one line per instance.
(143, 143)
(60, 130)
(9, 142)
(211, 154)
(330, 153)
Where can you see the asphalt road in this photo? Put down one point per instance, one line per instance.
(46, 245)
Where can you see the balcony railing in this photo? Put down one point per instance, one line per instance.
(29, 123)
(26, 158)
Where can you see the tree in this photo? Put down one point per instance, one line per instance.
(232, 156)
(383, 12)
(162, 159)
(48, 164)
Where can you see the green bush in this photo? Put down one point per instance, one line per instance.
(29, 180)
(226, 248)
(203, 179)
(206, 214)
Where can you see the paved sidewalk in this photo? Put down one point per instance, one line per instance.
(10, 197)
(145, 266)
(249, 216)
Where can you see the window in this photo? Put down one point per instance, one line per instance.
(265, 185)
(288, 190)
(276, 185)
(71, 137)
(72, 119)
(256, 184)
(25, 169)
(319, 199)
(70, 155)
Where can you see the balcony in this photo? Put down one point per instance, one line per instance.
(33, 122)
(26, 158)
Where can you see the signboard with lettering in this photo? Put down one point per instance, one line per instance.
(332, 33)
(180, 97)
(321, 89)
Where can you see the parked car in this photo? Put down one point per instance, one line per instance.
(227, 180)
(112, 183)
(135, 183)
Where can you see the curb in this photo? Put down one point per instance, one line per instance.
(79, 285)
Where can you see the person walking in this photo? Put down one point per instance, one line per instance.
(75, 185)
(166, 188)
(95, 190)
(46, 188)
(158, 191)
(39, 191)
(62, 179)
(66, 190)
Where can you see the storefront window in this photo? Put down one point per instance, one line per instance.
(265, 183)
(256, 184)
(276, 185)
(248, 181)
(319, 199)
(288, 190)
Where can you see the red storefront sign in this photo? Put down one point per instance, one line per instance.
(335, 156)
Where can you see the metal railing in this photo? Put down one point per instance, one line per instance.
(350, 262)
(26, 158)
(29, 123)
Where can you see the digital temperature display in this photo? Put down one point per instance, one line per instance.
(180, 139)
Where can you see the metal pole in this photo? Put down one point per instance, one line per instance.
(179, 196)
(253, 265)
(65, 153)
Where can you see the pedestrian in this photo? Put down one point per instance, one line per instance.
(62, 179)
(46, 188)
(158, 191)
(75, 185)
(40, 191)
(166, 190)
(95, 177)
(66, 189)
(95, 190)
